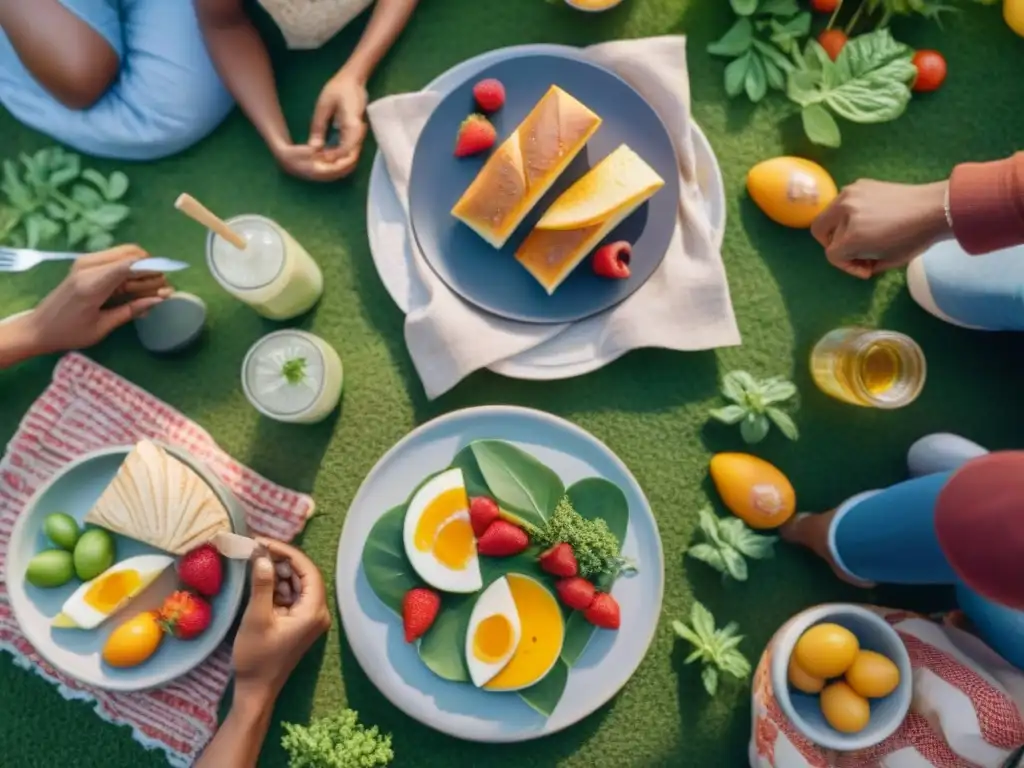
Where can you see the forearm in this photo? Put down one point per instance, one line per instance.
(239, 739)
(17, 342)
(986, 204)
(241, 59)
(386, 24)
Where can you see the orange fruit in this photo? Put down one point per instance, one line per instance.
(826, 650)
(844, 709)
(753, 490)
(803, 681)
(873, 675)
(134, 641)
(791, 191)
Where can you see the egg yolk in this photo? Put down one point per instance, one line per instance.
(108, 592)
(493, 638)
(541, 639)
(451, 540)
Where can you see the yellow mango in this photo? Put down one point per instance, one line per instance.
(791, 191)
(1013, 14)
(753, 490)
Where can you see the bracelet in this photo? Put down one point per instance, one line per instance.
(945, 208)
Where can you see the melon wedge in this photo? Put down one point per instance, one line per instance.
(614, 184)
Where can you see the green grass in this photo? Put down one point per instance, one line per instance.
(649, 407)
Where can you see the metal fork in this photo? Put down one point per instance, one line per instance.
(24, 259)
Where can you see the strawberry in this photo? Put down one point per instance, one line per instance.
(559, 560)
(576, 592)
(483, 511)
(476, 135)
(419, 609)
(603, 612)
(502, 539)
(612, 260)
(201, 569)
(185, 616)
(489, 94)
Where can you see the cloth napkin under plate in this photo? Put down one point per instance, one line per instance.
(684, 306)
(88, 407)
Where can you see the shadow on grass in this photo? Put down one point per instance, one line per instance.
(416, 743)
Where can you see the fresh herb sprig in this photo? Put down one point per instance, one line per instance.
(869, 82)
(758, 43)
(336, 741)
(754, 405)
(727, 543)
(716, 649)
(49, 194)
(596, 548)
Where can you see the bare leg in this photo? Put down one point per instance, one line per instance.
(67, 56)
(811, 531)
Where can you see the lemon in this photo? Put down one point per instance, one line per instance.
(844, 709)
(826, 650)
(872, 675)
(803, 681)
(1013, 15)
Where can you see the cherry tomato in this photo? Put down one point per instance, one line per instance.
(832, 40)
(931, 71)
(824, 6)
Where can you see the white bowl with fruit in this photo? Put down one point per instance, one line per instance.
(842, 676)
(109, 572)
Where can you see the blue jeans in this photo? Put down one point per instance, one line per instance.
(888, 536)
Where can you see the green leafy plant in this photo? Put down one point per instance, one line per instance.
(869, 82)
(727, 543)
(754, 405)
(758, 43)
(48, 194)
(716, 649)
(595, 546)
(336, 741)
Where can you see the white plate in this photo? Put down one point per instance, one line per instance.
(375, 633)
(77, 653)
(568, 354)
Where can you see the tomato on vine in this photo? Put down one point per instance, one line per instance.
(832, 40)
(931, 71)
(824, 6)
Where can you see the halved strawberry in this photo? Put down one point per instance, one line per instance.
(502, 539)
(476, 135)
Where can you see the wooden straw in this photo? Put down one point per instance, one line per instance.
(199, 212)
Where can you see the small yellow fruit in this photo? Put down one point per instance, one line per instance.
(134, 641)
(1013, 15)
(803, 681)
(791, 191)
(826, 650)
(753, 490)
(873, 675)
(844, 709)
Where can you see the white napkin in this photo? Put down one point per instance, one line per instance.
(685, 305)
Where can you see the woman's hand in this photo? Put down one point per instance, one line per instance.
(873, 226)
(99, 294)
(342, 103)
(272, 639)
(312, 164)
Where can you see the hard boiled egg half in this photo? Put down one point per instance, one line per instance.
(438, 537)
(515, 634)
(99, 599)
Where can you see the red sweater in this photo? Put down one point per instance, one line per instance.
(986, 203)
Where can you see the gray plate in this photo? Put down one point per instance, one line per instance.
(375, 633)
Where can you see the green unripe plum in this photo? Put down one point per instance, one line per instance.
(50, 568)
(94, 553)
(62, 530)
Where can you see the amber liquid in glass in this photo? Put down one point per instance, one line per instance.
(875, 369)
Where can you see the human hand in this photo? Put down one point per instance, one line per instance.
(99, 294)
(305, 162)
(272, 639)
(873, 226)
(342, 103)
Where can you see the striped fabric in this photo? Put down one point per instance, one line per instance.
(966, 710)
(88, 407)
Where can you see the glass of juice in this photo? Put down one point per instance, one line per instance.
(292, 376)
(274, 274)
(874, 369)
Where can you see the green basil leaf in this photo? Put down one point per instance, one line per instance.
(865, 53)
(443, 647)
(735, 565)
(777, 390)
(784, 422)
(754, 428)
(37, 168)
(109, 215)
(78, 230)
(709, 524)
(98, 179)
(734, 42)
(709, 676)
(86, 196)
(703, 622)
(729, 643)
(544, 696)
(49, 229)
(736, 664)
(730, 414)
(743, 7)
(117, 185)
(736, 74)
(99, 241)
(787, 35)
(387, 569)
(687, 634)
(66, 170)
(779, 7)
(771, 53)
(56, 211)
(19, 195)
(709, 555)
(756, 81)
(33, 230)
(517, 481)
(776, 77)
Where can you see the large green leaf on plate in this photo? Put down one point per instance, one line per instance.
(594, 498)
(519, 483)
(387, 569)
(545, 695)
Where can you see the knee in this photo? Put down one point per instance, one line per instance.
(81, 76)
